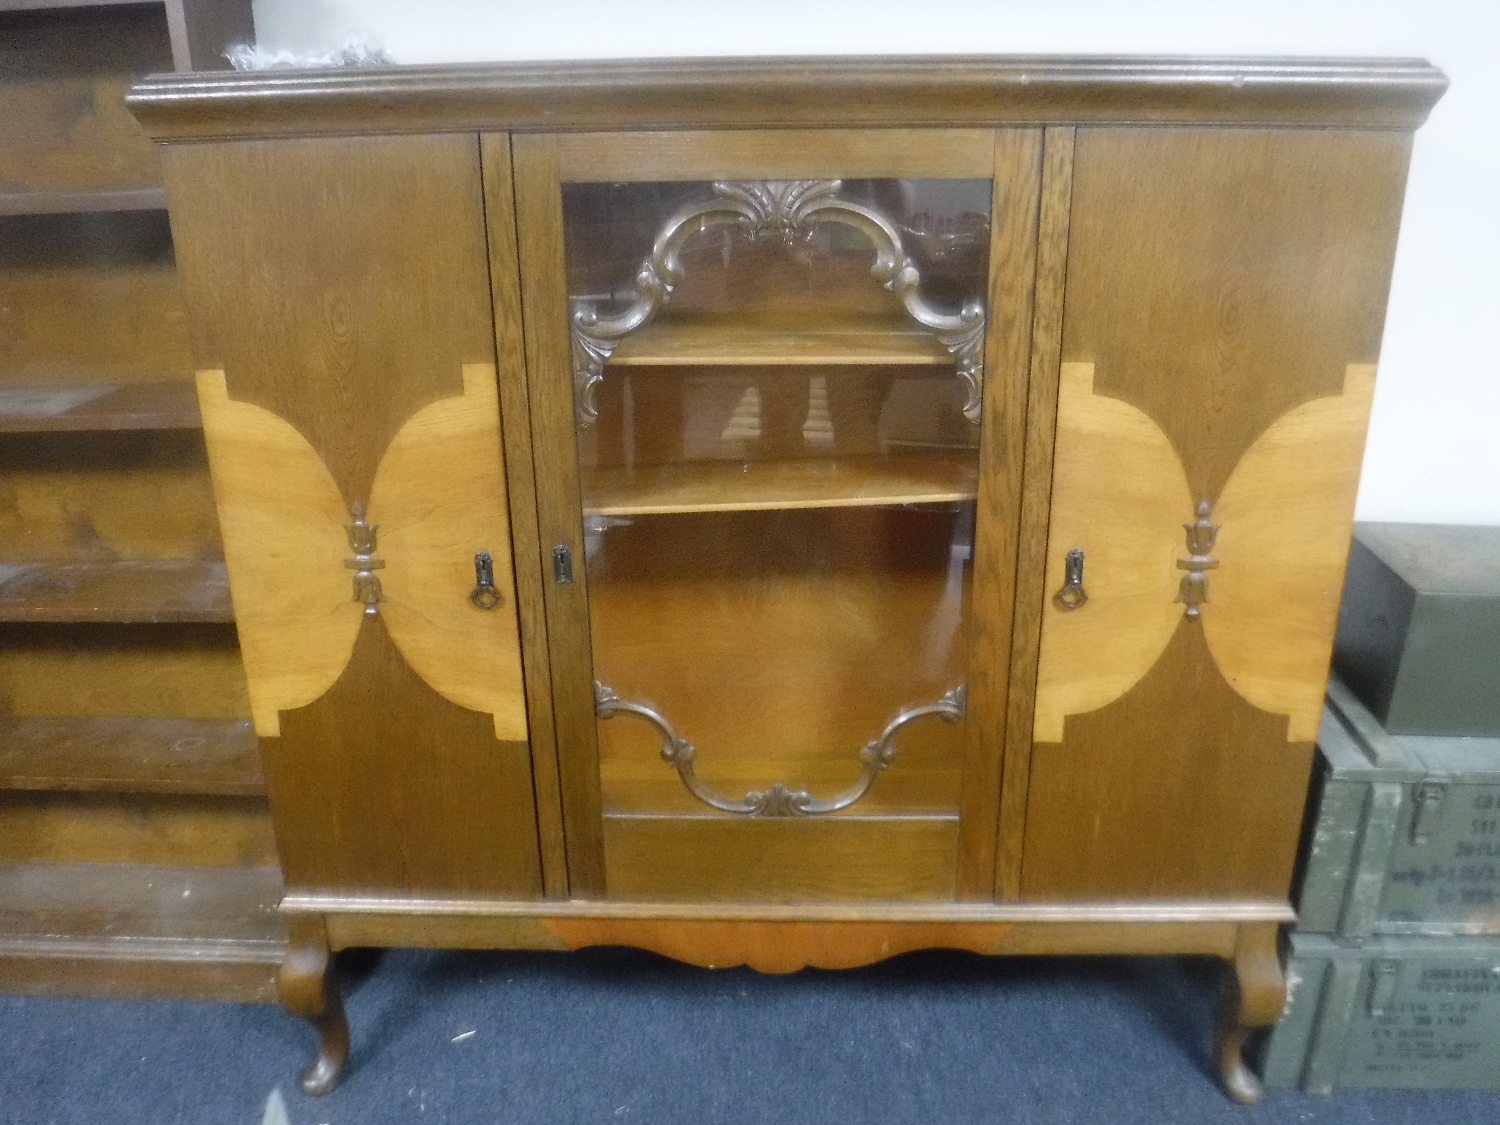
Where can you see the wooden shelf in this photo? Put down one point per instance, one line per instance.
(128, 929)
(51, 5)
(206, 757)
(140, 591)
(74, 202)
(668, 344)
(106, 406)
(734, 486)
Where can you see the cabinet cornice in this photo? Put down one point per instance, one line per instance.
(771, 92)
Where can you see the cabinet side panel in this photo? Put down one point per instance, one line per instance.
(341, 286)
(1226, 291)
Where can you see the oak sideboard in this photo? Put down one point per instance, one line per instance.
(788, 512)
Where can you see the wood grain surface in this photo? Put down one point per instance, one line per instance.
(135, 828)
(1118, 495)
(128, 592)
(1219, 277)
(1286, 516)
(100, 408)
(669, 343)
(780, 945)
(283, 523)
(701, 617)
(353, 302)
(529, 559)
(1014, 216)
(784, 154)
(1036, 493)
(1081, 912)
(413, 795)
(726, 486)
(439, 499)
(734, 859)
(90, 299)
(1178, 315)
(806, 92)
(368, 251)
(63, 121)
(126, 755)
(106, 497)
(140, 930)
(544, 281)
(141, 671)
(1178, 789)
(1221, 282)
(140, 901)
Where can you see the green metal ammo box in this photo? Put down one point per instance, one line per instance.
(1394, 1012)
(1419, 627)
(1406, 835)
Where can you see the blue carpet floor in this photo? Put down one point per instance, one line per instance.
(621, 1037)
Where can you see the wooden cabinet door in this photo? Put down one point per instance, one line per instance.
(1224, 300)
(778, 384)
(340, 308)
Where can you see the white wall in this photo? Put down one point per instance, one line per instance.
(1434, 447)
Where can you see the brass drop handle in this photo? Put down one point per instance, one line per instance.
(485, 596)
(1072, 595)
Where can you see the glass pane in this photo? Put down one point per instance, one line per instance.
(778, 400)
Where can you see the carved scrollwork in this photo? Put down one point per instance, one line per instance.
(778, 800)
(786, 208)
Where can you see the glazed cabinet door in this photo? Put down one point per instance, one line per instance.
(340, 310)
(1224, 302)
(778, 384)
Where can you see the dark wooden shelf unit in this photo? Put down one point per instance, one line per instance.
(198, 30)
(53, 5)
(201, 757)
(63, 74)
(133, 591)
(136, 853)
(104, 406)
(136, 929)
(81, 202)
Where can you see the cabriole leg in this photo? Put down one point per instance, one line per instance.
(310, 989)
(1254, 998)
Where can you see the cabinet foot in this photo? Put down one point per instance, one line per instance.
(1238, 1080)
(1254, 997)
(310, 989)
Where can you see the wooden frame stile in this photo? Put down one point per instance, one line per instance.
(515, 409)
(538, 208)
(1031, 550)
(991, 610)
(746, 154)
